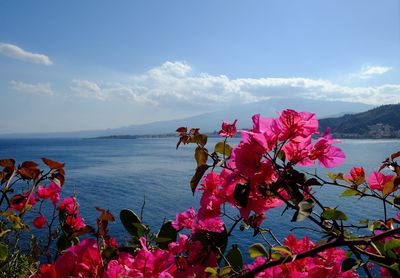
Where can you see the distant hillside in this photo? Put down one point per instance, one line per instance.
(380, 122)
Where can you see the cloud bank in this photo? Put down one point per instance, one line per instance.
(39, 88)
(13, 51)
(175, 83)
(371, 71)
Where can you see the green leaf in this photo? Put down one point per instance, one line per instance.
(225, 271)
(213, 272)
(281, 155)
(235, 258)
(223, 148)
(167, 233)
(197, 177)
(3, 252)
(257, 250)
(334, 177)
(389, 246)
(333, 214)
(349, 263)
(349, 192)
(283, 249)
(129, 219)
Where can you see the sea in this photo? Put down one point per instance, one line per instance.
(151, 177)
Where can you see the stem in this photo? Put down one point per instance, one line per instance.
(234, 225)
(313, 252)
(384, 209)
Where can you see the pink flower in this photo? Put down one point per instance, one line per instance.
(228, 129)
(154, 263)
(69, 204)
(46, 193)
(39, 222)
(81, 260)
(213, 224)
(180, 246)
(75, 222)
(47, 271)
(327, 155)
(185, 219)
(377, 180)
(357, 175)
(297, 126)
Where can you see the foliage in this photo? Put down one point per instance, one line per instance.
(257, 175)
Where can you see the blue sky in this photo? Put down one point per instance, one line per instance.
(77, 65)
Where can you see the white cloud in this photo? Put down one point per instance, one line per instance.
(370, 71)
(16, 52)
(175, 84)
(39, 88)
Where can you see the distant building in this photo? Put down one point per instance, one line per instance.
(382, 131)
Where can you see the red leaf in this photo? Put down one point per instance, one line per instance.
(395, 155)
(29, 164)
(53, 164)
(29, 173)
(182, 129)
(7, 163)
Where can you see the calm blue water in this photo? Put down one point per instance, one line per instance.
(116, 174)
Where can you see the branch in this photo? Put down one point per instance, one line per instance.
(313, 252)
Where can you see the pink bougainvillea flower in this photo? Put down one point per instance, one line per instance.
(81, 260)
(69, 204)
(39, 222)
(185, 219)
(377, 180)
(180, 246)
(212, 224)
(75, 222)
(228, 129)
(327, 155)
(48, 192)
(357, 175)
(154, 263)
(297, 126)
(298, 153)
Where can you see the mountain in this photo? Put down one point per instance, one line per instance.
(209, 122)
(380, 122)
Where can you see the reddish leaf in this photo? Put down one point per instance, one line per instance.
(200, 171)
(194, 131)
(84, 230)
(53, 164)
(29, 164)
(182, 129)
(16, 199)
(105, 215)
(395, 155)
(201, 156)
(29, 173)
(7, 163)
